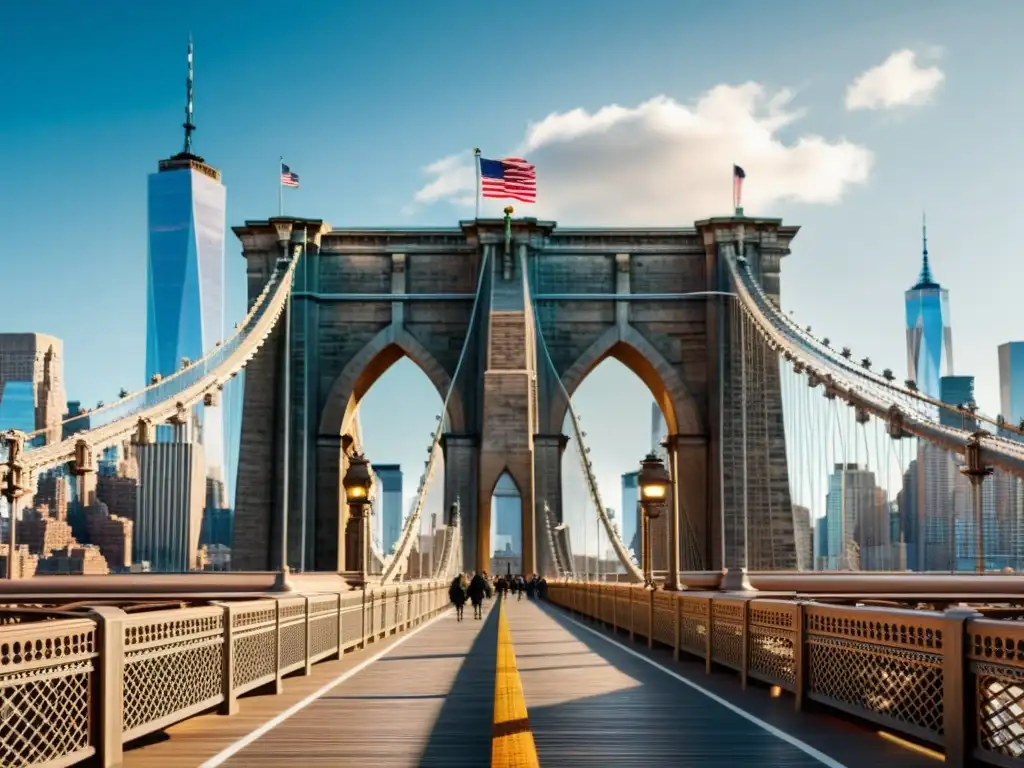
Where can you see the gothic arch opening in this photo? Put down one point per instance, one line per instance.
(623, 422)
(506, 528)
(393, 427)
(364, 370)
(385, 404)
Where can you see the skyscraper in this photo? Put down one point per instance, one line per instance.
(630, 530)
(32, 383)
(957, 391)
(929, 335)
(185, 281)
(389, 503)
(506, 513)
(1011, 382)
(172, 491)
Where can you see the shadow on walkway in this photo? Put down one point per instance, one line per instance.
(630, 710)
(461, 737)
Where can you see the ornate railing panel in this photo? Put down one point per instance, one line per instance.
(46, 692)
(995, 650)
(173, 664)
(952, 679)
(884, 665)
(72, 688)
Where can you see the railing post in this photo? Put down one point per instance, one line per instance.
(109, 686)
(650, 618)
(230, 704)
(632, 611)
(745, 646)
(341, 624)
(707, 638)
(307, 670)
(278, 681)
(615, 610)
(801, 656)
(677, 645)
(958, 707)
(362, 640)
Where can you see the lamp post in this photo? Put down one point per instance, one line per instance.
(654, 482)
(12, 488)
(358, 483)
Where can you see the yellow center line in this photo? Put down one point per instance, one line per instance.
(511, 740)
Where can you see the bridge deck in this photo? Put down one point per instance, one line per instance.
(595, 699)
(428, 699)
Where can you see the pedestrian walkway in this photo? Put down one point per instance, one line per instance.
(527, 686)
(428, 703)
(594, 700)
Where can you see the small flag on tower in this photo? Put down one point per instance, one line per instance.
(511, 177)
(288, 177)
(738, 175)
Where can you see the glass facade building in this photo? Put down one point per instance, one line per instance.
(18, 406)
(957, 390)
(929, 334)
(185, 280)
(631, 511)
(506, 514)
(1011, 382)
(388, 503)
(185, 286)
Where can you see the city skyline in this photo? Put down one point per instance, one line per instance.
(854, 180)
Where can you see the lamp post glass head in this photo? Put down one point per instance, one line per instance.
(358, 480)
(654, 483)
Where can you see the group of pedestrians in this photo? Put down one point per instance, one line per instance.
(479, 587)
(473, 589)
(533, 587)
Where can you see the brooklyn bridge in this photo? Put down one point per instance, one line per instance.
(716, 644)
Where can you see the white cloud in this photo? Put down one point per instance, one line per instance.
(665, 163)
(896, 82)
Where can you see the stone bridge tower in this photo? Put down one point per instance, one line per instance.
(364, 298)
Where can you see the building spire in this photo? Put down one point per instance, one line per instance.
(926, 269)
(189, 125)
(925, 278)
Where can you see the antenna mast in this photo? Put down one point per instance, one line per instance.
(189, 125)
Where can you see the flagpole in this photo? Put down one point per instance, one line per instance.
(476, 156)
(280, 187)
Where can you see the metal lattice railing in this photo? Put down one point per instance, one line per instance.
(893, 667)
(165, 666)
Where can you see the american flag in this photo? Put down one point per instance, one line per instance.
(288, 177)
(511, 177)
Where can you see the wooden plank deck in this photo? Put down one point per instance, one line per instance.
(592, 702)
(428, 703)
(195, 741)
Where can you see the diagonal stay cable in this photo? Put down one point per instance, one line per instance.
(405, 542)
(620, 550)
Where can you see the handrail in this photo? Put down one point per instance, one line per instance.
(862, 391)
(158, 390)
(252, 333)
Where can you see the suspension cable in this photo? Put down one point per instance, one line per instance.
(191, 384)
(620, 550)
(410, 529)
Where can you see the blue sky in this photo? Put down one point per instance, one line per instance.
(361, 96)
